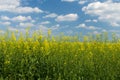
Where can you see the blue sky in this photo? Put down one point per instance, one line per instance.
(66, 16)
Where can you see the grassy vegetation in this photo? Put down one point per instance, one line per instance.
(59, 58)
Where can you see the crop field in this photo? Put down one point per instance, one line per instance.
(39, 57)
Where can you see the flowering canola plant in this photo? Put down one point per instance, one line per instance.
(39, 57)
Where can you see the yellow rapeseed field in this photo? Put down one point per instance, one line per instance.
(39, 57)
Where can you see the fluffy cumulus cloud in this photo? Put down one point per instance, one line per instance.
(14, 6)
(27, 24)
(91, 20)
(68, 0)
(45, 29)
(96, 32)
(55, 27)
(84, 26)
(10, 28)
(105, 11)
(22, 18)
(82, 1)
(5, 18)
(17, 18)
(79, 1)
(68, 17)
(51, 15)
(45, 22)
(5, 23)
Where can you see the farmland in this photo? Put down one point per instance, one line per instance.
(39, 57)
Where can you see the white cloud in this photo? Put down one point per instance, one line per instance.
(81, 26)
(69, 32)
(68, 17)
(45, 29)
(12, 28)
(26, 24)
(19, 30)
(14, 6)
(115, 24)
(92, 28)
(90, 20)
(5, 23)
(96, 32)
(51, 15)
(27, 10)
(105, 11)
(45, 22)
(12, 3)
(33, 21)
(68, 0)
(84, 26)
(5, 18)
(55, 27)
(82, 2)
(21, 18)
(94, 20)
(17, 18)
(104, 30)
